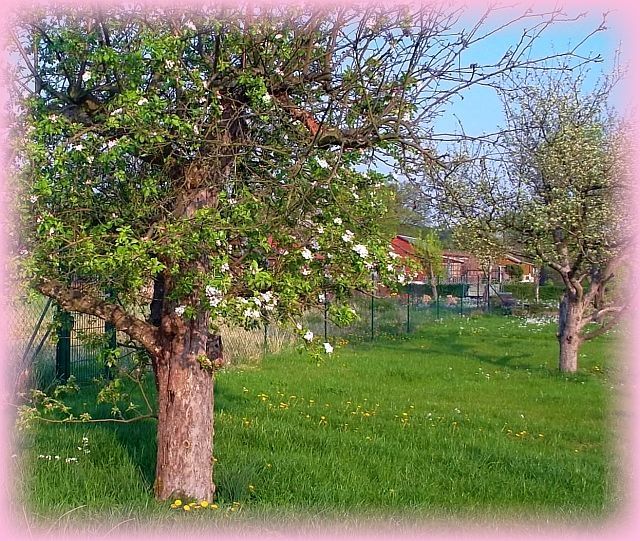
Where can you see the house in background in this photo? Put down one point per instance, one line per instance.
(462, 266)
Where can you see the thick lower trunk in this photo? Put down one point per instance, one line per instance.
(184, 466)
(569, 338)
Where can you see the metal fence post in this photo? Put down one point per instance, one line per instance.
(265, 342)
(63, 346)
(438, 297)
(326, 314)
(408, 310)
(461, 299)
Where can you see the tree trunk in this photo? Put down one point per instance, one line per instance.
(568, 332)
(434, 286)
(184, 466)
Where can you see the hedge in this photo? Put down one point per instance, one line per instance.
(527, 291)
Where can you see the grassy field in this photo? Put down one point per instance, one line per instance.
(465, 418)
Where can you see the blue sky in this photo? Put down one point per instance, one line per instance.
(481, 112)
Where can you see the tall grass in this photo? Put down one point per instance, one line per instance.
(468, 417)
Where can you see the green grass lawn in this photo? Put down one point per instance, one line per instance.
(465, 418)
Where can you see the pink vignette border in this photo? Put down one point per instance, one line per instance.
(623, 525)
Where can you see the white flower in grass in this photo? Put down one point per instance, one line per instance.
(390, 267)
(314, 244)
(33, 198)
(298, 326)
(143, 101)
(86, 76)
(306, 253)
(361, 250)
(308, 336)
(266, 99)
(320, 230)
(348, 236)
(328, 348)
(170, 64)
(112, 143)
(337, 221)
(306, 271)
(180, 310)
(78, 147)
(322, 298)
(224, 267)
(402, 279)
(322, 163)
(190, 26)
(116, 111)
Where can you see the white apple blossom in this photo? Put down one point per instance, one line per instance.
(306, 253)
(348, 236)
(337, 221)
(214, 295)
(252, 313)
(361, 250)
(322, 163)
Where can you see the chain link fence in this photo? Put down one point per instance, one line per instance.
(48, 345)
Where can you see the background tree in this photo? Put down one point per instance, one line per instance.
(209, 167)
(428, 251)
(560, 191)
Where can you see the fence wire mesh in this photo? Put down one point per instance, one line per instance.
(34, 338)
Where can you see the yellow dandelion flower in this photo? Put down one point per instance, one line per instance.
(214, 506)
(186, 507)
(204, 503)
(178, 503)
